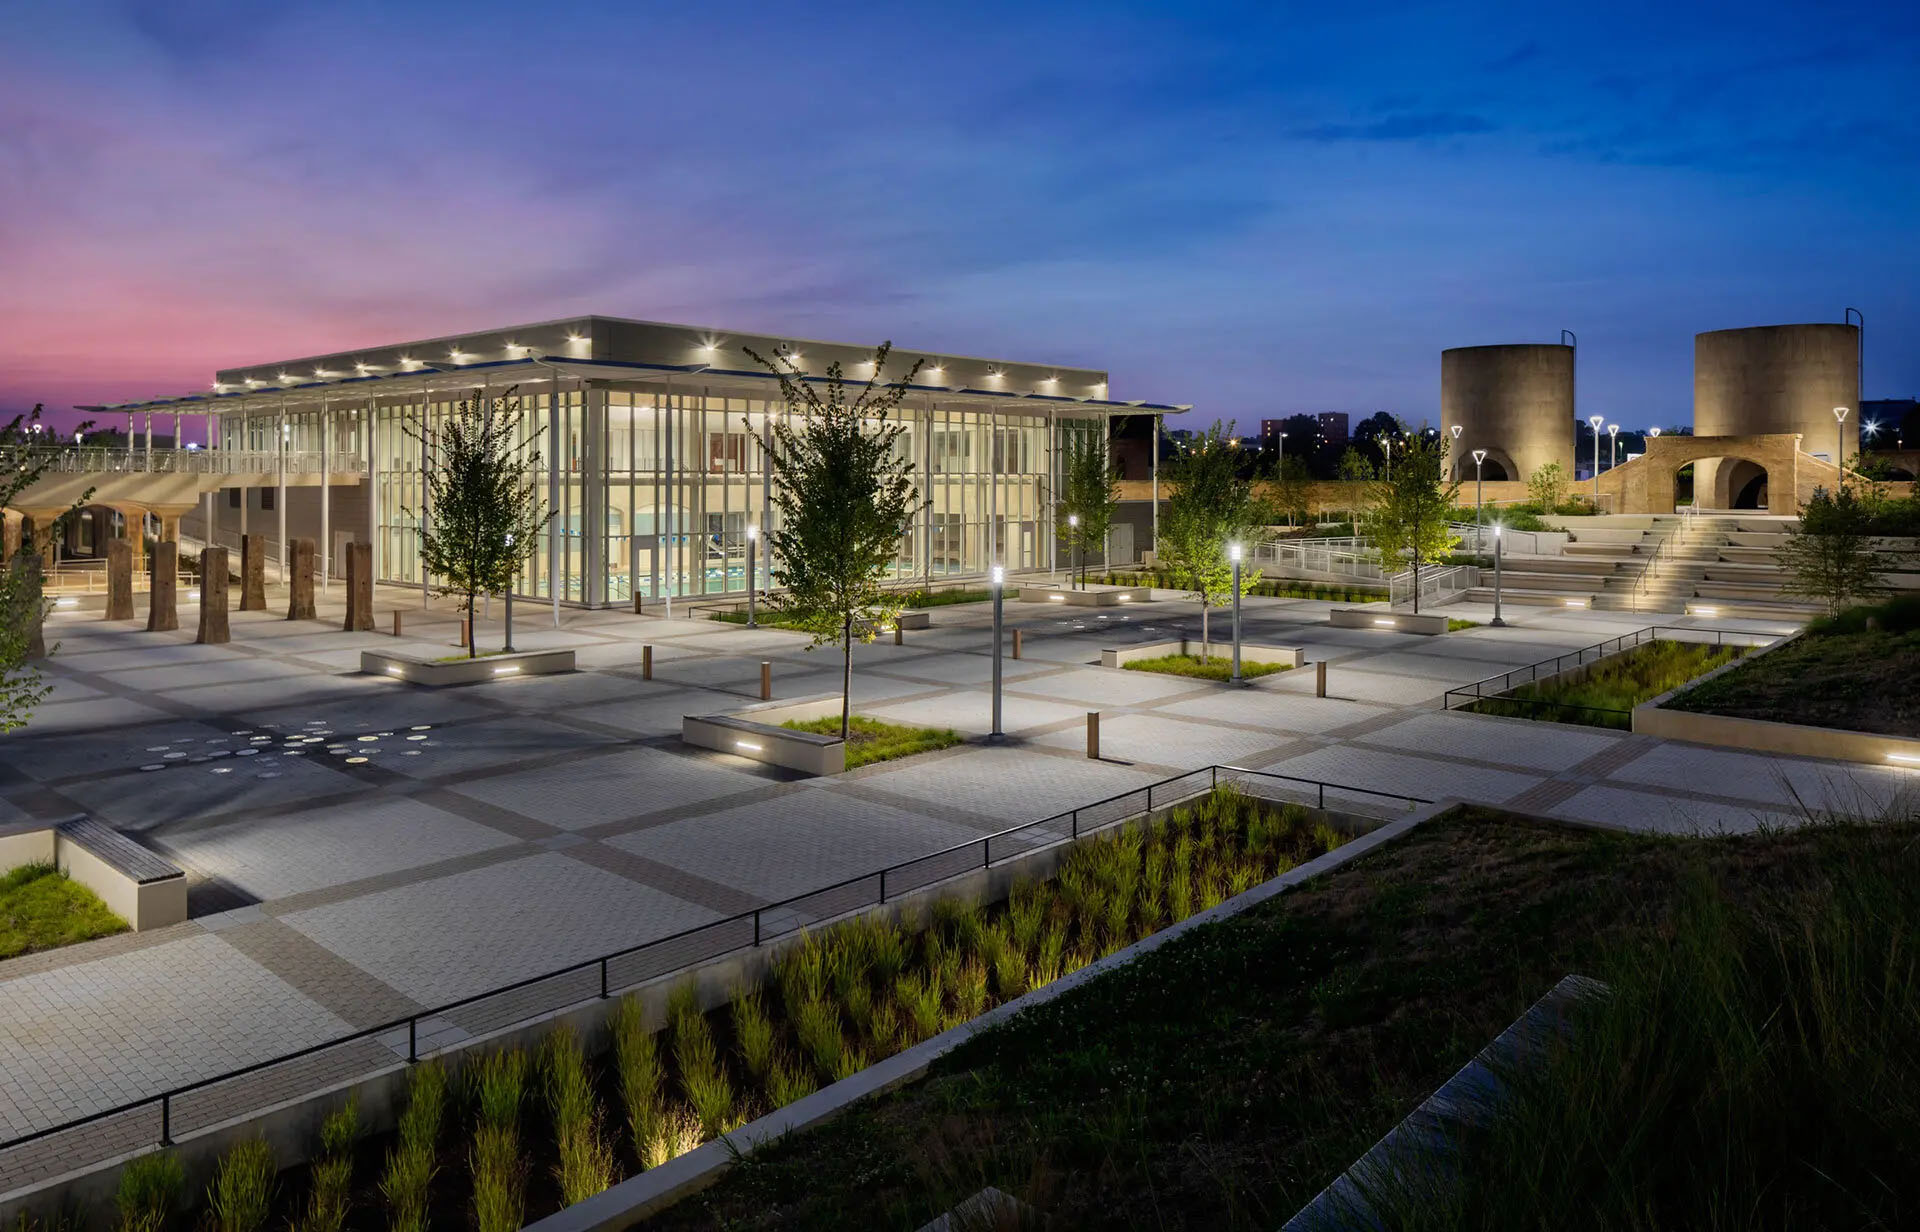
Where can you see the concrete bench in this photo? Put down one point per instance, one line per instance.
(415, 669)
(1120, 656)
(1426, 623)
(915, 620)
(1104, 596)
(755, 732)
(141, 887)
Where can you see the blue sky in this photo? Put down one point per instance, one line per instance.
(1259, 209)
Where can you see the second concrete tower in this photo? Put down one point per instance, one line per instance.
(1514, 401)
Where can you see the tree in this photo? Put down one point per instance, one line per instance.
(845, 495)
(484, 504)
(1088, 495)
(27, 451)
(1355, 468)
(1411, 509)
(1293, 489)
(1211, 506)
(1547, 487)
(1831, 553)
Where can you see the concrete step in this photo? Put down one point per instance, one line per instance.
(1609, 551)
(1747, 609)
(1572, 583)
(1593, 567)
(1532, 598)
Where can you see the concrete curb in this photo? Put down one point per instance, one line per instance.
(658, 1188)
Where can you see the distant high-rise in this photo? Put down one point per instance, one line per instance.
(1333, 427)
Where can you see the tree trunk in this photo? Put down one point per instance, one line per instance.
(1416, 581)
(846, 678)
(473, 638)
(1204, 609)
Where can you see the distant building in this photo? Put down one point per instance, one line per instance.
(1333, 427)
(1270, 429)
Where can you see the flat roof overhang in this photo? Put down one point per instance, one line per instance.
(439, 377)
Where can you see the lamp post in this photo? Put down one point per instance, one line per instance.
(753, 535)
(507, 603)
(1386, 454)
(1613, 446)
(1840, 442)
(1455, 432)
(1479, 500)
(1233, 554)
(1594, 422)
(999, 586)
(1498, 539)
(1073, 533)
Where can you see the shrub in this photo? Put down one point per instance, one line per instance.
(674, 1133)
(331, 1176)
(411, 1163)
(817, 1027)
(788, 1083)
(585, 1165)
(149, 1191)
(241, 1193)
(753, 1034)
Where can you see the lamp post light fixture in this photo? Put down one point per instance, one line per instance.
(1594, 422)
(1613, 446)
(1386, 453)
(1073, 532)
(999, 577)
(753, 536)
(1455, 432)
(1479, 499)
(507, 615)
(1498, 539)
(1840, 442)
(1233, 554)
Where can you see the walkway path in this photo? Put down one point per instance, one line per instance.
(470, 837)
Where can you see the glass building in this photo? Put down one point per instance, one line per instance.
(652, 444)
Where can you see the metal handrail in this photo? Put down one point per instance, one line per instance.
(1438, 584)
(781, 926)
(1480, 690)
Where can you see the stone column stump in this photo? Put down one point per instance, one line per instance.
(253, 573)
(119, 580)
(163, 591)
(300, 587)
(213, 597)
(359, 587)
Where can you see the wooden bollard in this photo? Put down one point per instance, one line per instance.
(899, 635)
(1093, 734)
(396, 622)
(1016, 643)
(1320, 678)
(766, 680)
(646, 661)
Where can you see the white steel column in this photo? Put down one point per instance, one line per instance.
(1153, 473)
(420, 555)
(556, 524)
(149, 444)
(326, 503)
(279, 501)
(667, 545)
(373, 491)
(926, 519)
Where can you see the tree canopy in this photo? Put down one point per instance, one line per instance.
(844, 495)
(1211, 506)
(1411, 508)
(1088, 493)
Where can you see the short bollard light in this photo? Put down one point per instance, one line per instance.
(1320, 678)
(1093, 734)
(766, 680)
(646, 661)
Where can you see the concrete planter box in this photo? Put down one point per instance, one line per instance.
(417, 670)
(755, 733)
(1426, 623)
(1104, 596)
(1286, 656)
(137, 885)
(1652, 718)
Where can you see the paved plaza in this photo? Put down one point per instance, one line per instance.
(359, 849)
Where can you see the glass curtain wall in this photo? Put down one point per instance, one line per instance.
(653, 488)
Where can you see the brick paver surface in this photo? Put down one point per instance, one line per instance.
(369, 846)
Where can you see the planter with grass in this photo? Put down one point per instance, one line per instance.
(1425, 623)
(524, 1130)
(804, 735)
(1843, 688)
(1182, 657)
(42, 909)
(460, 669)
(1604, 693)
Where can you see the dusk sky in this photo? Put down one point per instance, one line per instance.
(1258, 209)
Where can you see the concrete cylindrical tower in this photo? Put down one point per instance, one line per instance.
(1779, 378)
(1515, 402)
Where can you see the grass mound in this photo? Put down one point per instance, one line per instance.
(1218, 667)
(41, 909)
(872, 740)
(1607, 694)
